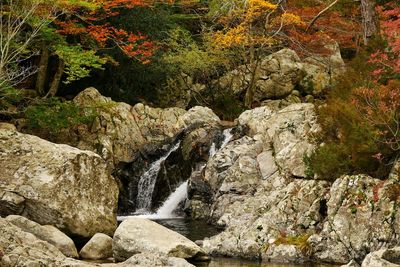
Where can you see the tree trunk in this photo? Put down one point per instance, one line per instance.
(248, 100)
(369, 20)
(57, 79)
(42, 72)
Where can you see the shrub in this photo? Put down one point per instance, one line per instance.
(52, 115)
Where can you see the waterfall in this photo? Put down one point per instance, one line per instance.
(227, 136)
(147, 182)
(166, 211)
(172, 202)
(213, 150)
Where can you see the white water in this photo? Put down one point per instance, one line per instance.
(166, 211)
(213, 150)
(147, 182)
(227, 137)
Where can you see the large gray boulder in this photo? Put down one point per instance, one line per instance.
(46, 233)
(57, 185)
(138, 235)
(275, 77)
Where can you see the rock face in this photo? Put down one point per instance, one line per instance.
(46, 233)
(97, 248)
(137, 235)
(362, 217)
(56, 185)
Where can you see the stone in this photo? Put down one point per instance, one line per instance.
(46, 233)
(146, 259)
(19, 248)
(138, 235)
(383, 258)
(99, 247)
(351, 263)
(57, 185)
(284, 254)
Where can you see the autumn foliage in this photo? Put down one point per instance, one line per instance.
(89, 23)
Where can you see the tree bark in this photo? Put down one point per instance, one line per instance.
(42, 72)
(369, 20)
(57, 79)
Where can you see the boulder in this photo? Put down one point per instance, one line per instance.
(147, 259)
(138, 235)
(46, 233)
(383, 258)
(19, 248)
(275, 77)
(351, 263)
(99, 247)
(57, 185)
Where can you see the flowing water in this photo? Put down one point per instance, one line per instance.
(147, 182)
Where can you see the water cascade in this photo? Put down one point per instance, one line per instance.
(147, 182)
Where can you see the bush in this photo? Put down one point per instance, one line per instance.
(52, 115)
(358, 127)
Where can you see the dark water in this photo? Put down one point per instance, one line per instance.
(198, 230)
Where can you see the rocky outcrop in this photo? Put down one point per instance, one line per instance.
(120, 132)
(137, 235)
(99, 247)
(56, 185)
(362, 217)
(259, 192)
(130, 138)
(46, 233)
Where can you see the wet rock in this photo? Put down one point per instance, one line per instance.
(97, 248)
(137, 235)
(46, 233)
(57, 185)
